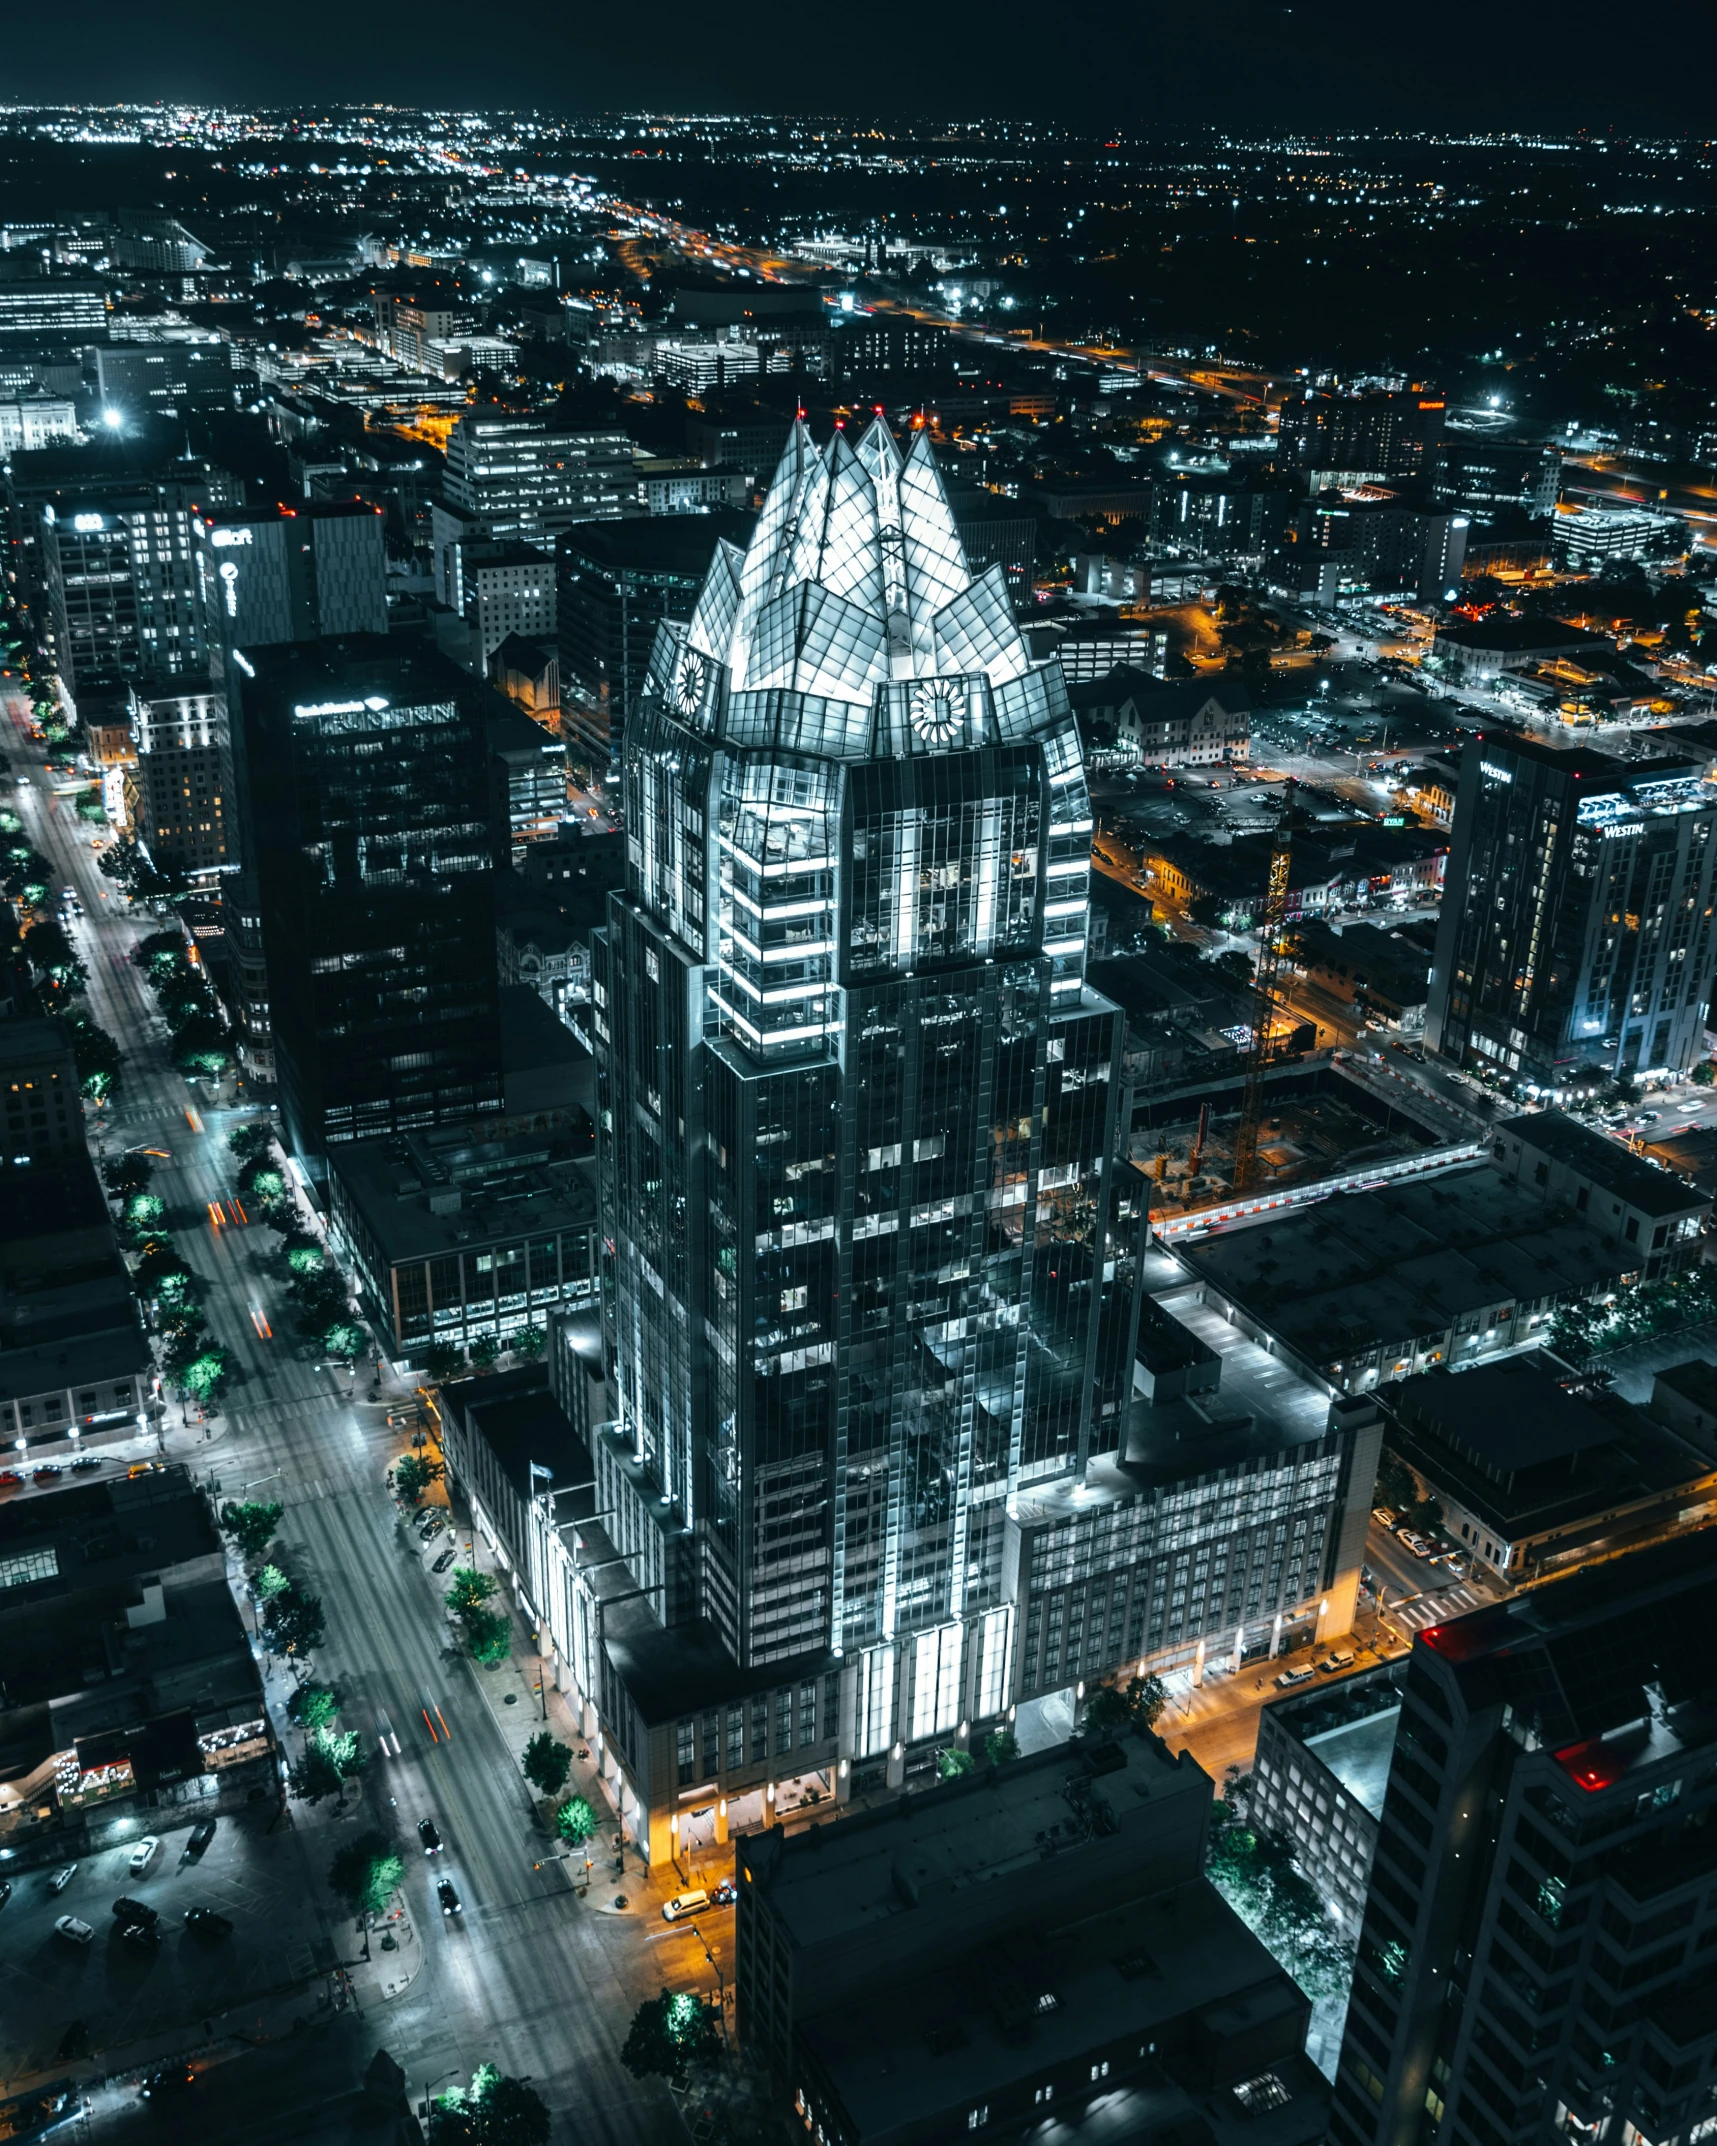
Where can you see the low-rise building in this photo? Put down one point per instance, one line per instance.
(1318, 1779)
(127, 1682)
(179, 794)
(1385, 978)
(1650, 1214)
(1023, 1948)
(453, 1237)
(527, 770)
(1368, 1286)
(1495, 645)
(528, 672)
(1537, 1474)
(1161, 725)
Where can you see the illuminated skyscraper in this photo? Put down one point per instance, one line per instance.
(857, 1106)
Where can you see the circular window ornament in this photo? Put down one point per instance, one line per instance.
(936, 713)
(689, 681)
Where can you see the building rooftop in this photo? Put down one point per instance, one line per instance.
(522, 1423)
(1389, 1267)
(1030, 2006)
(1634, 1181)
(1358, 1754)
(423, 1195)
(679, 546)
(1521, 636)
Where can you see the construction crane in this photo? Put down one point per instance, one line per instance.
(1264, 997)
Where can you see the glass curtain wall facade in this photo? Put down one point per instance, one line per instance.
(856, 1100)
(367, 782)
(1577, 931)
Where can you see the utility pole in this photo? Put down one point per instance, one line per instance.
(1264, 1001)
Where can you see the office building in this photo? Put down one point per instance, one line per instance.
(511, 477)
(1033, 1948)
(366, 765)
(1576, 933)
(75, 1368)
(615, 586)
(858, 1106)
(31, 421)
(40, 1103)
(453, 1236)
(52, 305)
(872, 346)
(163, 379)
(73, 479)
(408, 325)
(121, 579)
(527, 774)
(180, 792)
(1537, 1473)
(1369, 435)
(127, 1682)
(1318, 1778)
(1536, 1959)
(492, 591)
(304, 573)
(704, 367)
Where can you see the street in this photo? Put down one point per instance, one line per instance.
(528, 1977)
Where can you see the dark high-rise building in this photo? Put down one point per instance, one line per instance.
(1576, 924)
(366, 768)
(1538, 1959)
(304, 573)
(1375, 434)
(121, 580)
(615, 584)
(857, 1106)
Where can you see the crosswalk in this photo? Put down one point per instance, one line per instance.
(1419, 1611)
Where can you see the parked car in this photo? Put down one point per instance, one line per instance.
(724, 1895)
(684, 1904)
(1290, 1677)
(85, 1462)
(80, 1933)
(10, 1479)
(201, 1835)
(62, 1877)
(446, 1558)
(207, 1922)
(129, 1910)
(1383, 1516)
(1405, 1533)
(448, 1896)
(431, 1528)
(146, 1936)
(430, 1838)
(48, 1472)
(1333, 1663)
(144, 1854)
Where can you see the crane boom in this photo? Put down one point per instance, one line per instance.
(1264, 997)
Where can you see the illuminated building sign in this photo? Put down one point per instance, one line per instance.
(225, 539)
(342, 707)
(1489, 769)
(86, 524)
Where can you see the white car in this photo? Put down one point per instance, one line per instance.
(144, 1854)
(62, 1878)
(80, 1933)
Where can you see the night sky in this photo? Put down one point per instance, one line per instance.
(1249, 63)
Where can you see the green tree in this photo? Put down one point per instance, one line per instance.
(160, 1259)
(365, 1874)
(249, 1141)
(483, 1352)
(489, 1635)
(1000, 1746)
(313, 1706)
(547, 1763)
(269, 1582)
(344, 1340)
(262, 1181)
(494, 2110)
(331, 1757)
(94, 1053)
(305, 1259)
(201, 1378)
(575, 1821)
(951, 1762)
(412, 1476)
(667, 2033)
(529, 1342)
(143, 1215)
(1113, 1708)
(294, 1622)
(1397, 1485)
(469, 1590)
(125, 1174)
(177, 1292)
(441, 1362)
(1703, 1074)
(251, 1524)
